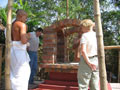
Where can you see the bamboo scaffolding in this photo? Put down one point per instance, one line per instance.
(119, 68)
(0, 63)
(101, 55)
(7, 51)
(112, 47)
(67, 9)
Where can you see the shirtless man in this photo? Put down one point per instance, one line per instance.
(19, 68)
(19, 27)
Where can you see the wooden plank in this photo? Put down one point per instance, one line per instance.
(112, 47)
(105, 47)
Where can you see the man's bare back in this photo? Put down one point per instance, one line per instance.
(16, 29)
(19, 28)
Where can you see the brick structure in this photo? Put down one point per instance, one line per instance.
(54, 40)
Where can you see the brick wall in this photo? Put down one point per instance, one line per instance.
(54, 40)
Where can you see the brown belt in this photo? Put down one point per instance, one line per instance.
(93, 56)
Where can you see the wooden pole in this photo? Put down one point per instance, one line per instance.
(66, 58)
(101, 55)
(112, 47)
(0, 63)
(67, 9)
(7, 51)
(119, 68)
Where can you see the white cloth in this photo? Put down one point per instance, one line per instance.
(19, 67)
(90, 41)
(34, 42)
(5, 32)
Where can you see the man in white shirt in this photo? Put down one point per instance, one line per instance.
(88, 72)
(32, 51)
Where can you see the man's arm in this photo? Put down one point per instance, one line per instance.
(23, 33)
(28, 35)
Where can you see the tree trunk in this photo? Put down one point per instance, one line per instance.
(101, 55)
(7, 51)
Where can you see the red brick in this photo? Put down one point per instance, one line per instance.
(49, 53)
(49, 49)
(47, 57)
(49, 30)
(49, 40)
(47, 61)
(50, 35)
(49, 45)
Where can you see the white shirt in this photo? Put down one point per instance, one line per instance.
(34, 42)
(90, 41)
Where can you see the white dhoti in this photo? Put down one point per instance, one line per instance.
(19, 67)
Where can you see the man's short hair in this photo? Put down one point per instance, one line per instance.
(39, 30)
(87, 23)
(18, 10)
(21, 12)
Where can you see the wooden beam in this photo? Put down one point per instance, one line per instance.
(105, 47)
(112, 47)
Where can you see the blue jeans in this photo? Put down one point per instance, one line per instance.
(33, 65)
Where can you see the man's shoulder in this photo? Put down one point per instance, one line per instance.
(18, 23)
(32, 32)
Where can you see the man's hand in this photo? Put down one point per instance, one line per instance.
(28, 36)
